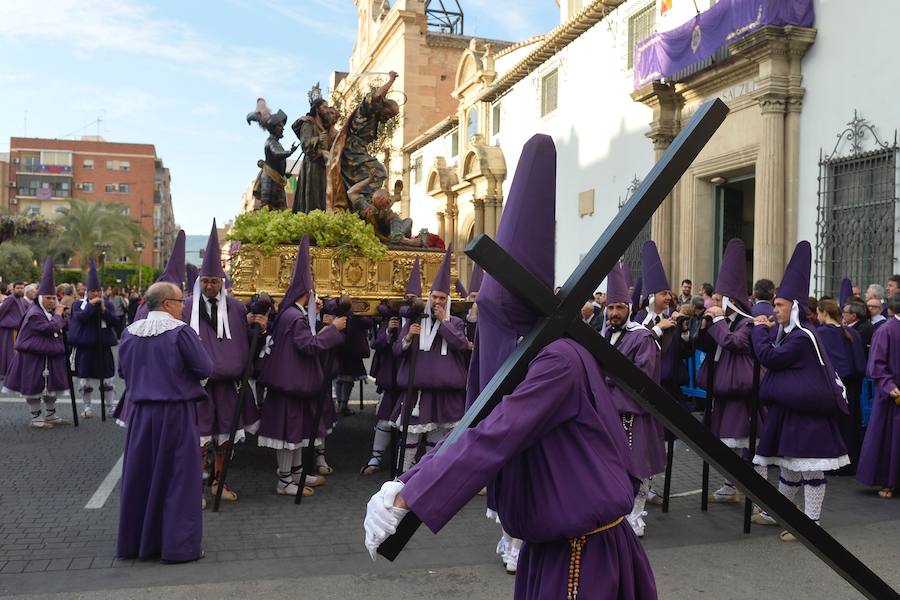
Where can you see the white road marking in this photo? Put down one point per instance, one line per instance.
(106, 486)
(683, 494)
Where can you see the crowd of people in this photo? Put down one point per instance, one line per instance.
(188, 348)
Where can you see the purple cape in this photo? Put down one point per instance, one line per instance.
(879, 461)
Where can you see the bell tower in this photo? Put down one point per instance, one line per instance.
(445, 16)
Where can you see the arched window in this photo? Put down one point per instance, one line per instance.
(472, 123)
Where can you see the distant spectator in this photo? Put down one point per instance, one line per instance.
(686, 289)
(707, 290)
(763, 294)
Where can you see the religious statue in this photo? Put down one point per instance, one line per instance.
(273, 170)
(388, 226)
(316, 133)
(350, 161)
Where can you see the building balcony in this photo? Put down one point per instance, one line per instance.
(64, 170)
(43, 193)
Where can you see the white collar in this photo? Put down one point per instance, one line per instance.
(223, 327)
(156, 323)
(878, 319)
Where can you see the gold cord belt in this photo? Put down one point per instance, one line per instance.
(575, 546)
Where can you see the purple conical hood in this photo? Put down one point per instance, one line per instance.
(795, 281)
(527, 232)
(732, 281)
(477, 278)
(846, 291)
(616, 286)
(174, 271)
(626, 272)
(93, 282)
(192, 273)
(212, 258)
(441, 281)
(414, 283)
(636, 294)
(655, 279)
(461, 289)
(302, 279)
(47, 286)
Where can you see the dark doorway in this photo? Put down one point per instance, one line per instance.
(733, 214)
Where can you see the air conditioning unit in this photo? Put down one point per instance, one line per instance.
(13, 200)
(16, 160)
(12, 184)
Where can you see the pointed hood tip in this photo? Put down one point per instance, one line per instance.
(47, 286)
(414, 283)
(795, 281)
(175, 270)
(93, 282)
(846, 291)
(732, 280)
(477, 278)
(302, 279)
(441, 282)
(654, 275)
(212, 257)
(617, 286)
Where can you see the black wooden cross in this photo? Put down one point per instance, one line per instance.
(562, 318)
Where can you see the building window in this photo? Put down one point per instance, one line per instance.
(857, 220)
(85, 186)
(123, 188)
(495, 119)
(471, 123)
(57, 158)
(549, 90)
(125, 165)
(88, 163)
(117, 188)
(118, 165)
(125, 210)
(417, 169)
(641, 25)
(32, 210)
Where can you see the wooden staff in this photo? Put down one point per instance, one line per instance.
(408, 402)
(751, 450)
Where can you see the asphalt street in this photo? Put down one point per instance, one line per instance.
(59, 513)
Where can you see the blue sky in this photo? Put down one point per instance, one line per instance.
(182, 75)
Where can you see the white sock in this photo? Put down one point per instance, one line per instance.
(111, 399)
(34, 406)
(84, 387)
(641, 499)
(789, 483)
(320, 455)
(412, 444)
(380, 443)
(285, 460)
(813, 493)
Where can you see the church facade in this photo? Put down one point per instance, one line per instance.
(808, 151)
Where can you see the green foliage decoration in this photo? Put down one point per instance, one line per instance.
(344, 231)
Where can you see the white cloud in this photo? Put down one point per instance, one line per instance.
(123, 26)
(316, 19)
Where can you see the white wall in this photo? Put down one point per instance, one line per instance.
(598, 130)
(850, 66)
(422, 207)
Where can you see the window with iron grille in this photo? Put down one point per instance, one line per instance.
(856, 214)
(549, 91)
(641, 25)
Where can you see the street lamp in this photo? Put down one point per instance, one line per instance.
(102, 247)
(139, 248)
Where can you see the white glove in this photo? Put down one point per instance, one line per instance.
(382, 517)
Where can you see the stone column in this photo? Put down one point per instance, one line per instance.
(478, 205)
(666, 104)
(791, 175)
(450, 216)
(442, 229)
(490, 216)
(768, 217)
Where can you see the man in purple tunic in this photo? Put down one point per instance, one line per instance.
(726, 341)
(223, 325)
(804, 395)
(38, 366)
(11, 313)
(92, 332)
(163, 364)
(174, 273)
(644, 435)
(554, 448)
(879, 461)
(439, 381)
(384, 365)
(294, 376)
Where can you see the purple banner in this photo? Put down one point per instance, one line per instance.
(665, 54)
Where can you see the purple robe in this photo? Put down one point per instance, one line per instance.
(648, 451)
(440, 380)
(11, 314)
(383, 364)
(729, 417)
(802, 417)
(93, 343)
(879, 461)
(556, 453)
(39, 346)
(349, 355)
(141, 313)
(160, 513)
(229, 357)
(293, 374)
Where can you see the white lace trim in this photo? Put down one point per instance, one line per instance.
(803, 464)
(156, 323)
(266, 442)
(492, 514)
(222, 438)
(424, 427)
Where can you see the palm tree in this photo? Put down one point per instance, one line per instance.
(84, 224)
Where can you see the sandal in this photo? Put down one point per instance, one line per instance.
(322, 467)
(227, 494)
(886, 493)
(787, 536)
